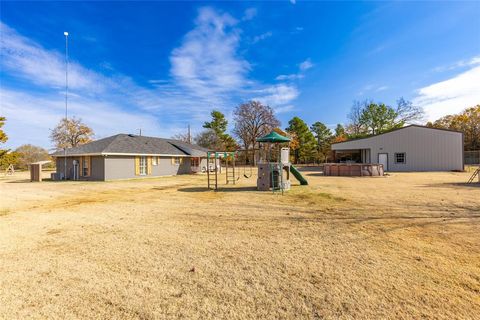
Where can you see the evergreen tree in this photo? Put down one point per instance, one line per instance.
(218, 125)
(307, 143)
(323, 135)
(378, 118)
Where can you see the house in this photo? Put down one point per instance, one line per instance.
(410, 148)
(125, 156)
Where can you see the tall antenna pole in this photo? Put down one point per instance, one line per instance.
(66, 104)
(189, 135)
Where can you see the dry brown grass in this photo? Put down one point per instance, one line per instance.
(405, 246)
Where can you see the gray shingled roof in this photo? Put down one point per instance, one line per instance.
(132, 144)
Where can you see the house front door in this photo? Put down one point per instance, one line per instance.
(383, 159)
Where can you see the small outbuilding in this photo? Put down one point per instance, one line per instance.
(410, 148)
(36, 170)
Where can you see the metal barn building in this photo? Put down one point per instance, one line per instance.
(411, 148)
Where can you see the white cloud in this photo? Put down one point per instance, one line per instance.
(293, 1)
(284, 109)
(30, 117)
(28, 60)
(249, 14)
(302, 67)
(206, 71)
(262, 36)
(371, 88)
(291, 77)
(278, 95)
(450, 96)
(206, 64)
(109, 104)
(459, 64)
(305, 65)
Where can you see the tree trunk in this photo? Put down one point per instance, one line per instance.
(253, 154)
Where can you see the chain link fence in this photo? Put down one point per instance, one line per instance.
(472, 157)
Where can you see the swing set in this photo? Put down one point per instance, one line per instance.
(214, 168)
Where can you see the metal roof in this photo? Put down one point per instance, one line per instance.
(396, 129)
(133, 144)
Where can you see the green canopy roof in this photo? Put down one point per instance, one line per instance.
(273, 137)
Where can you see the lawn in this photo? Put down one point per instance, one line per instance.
(402, 246)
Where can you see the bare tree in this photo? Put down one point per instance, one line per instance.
(407, 112)
(355, 126)
(182, 137)
(208, 139)
(253, 120)
(70, 133)
(367, 117)
(29, 153)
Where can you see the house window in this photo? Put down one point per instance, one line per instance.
(85, 166)
(154, 161)
(177, 161)
(195, 162)
(143, 166)
(400, 157)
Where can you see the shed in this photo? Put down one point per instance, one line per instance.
(410, 148)
(36, 170)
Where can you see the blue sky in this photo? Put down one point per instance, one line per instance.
(160, 66)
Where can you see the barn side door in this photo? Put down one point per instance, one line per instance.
(383, 159)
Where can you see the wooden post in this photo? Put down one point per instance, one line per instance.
(233, 166)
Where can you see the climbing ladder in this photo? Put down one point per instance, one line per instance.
(212, 177)
(475, 174)
(276, 177)
(230, 171)
(230, 175)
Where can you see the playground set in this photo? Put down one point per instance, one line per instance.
(274, 166)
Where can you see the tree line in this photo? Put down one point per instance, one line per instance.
(66, 134)
(313, 143)
(308, 143)
(467, 121)
(253, 119)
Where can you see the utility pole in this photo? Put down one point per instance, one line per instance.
(189, 136)
(66, 105)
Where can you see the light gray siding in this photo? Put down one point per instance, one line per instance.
(119, 167)
(425, 149)
(98, 168)
(97, 171)
(165, 167)
(123, 167)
